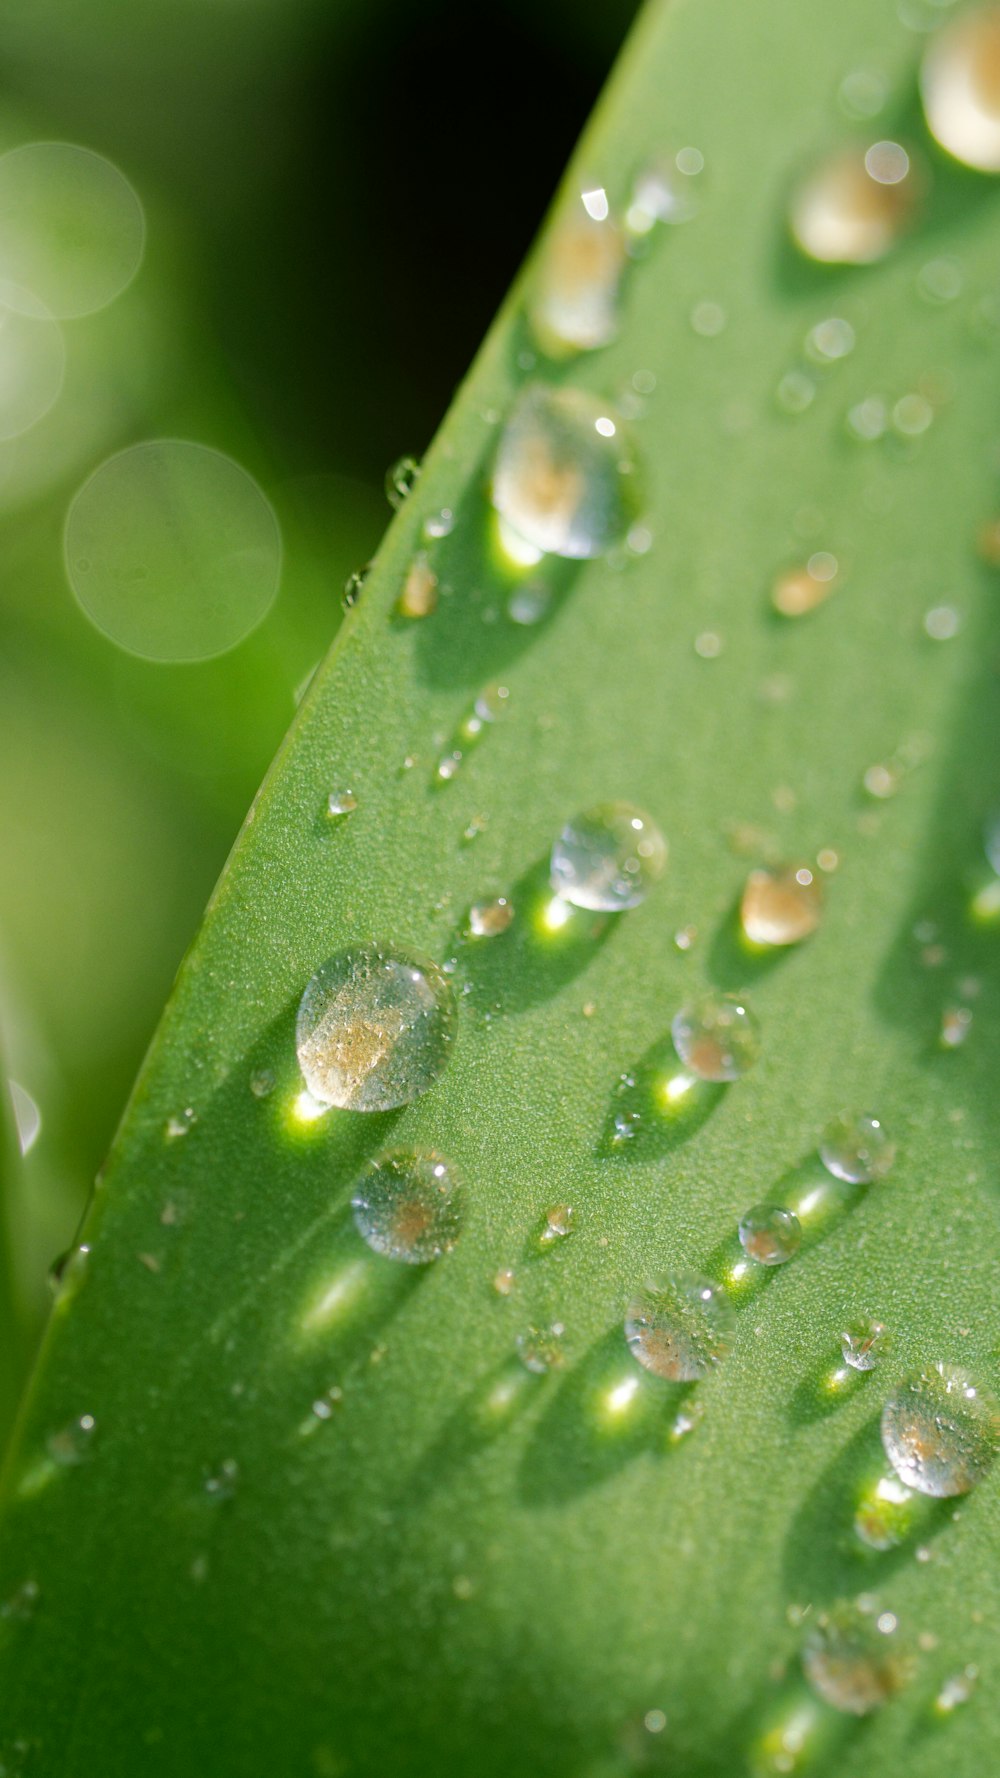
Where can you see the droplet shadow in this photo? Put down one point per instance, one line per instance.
(485, 1413)
(546, 945)
(656, 1105)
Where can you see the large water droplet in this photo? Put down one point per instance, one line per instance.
(960, 86)
(608, 858)
(717, 1037)
(408, 1205)
(854, 1147)
(573, 306)
(781, 907)
(941, 1431)
(853, 207)
(770, 1235)
(851, 1659)
(374, 1028)
(680, 1326)
(565, 478)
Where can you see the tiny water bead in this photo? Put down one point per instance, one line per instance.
(540, 1349)
(781, 907)
(852, 208)
(530, 603)
(960, 88)
(489, 706)
(374, 1028)
(608, 858)
(72, 229)
(956, 1690)
(565, 477)
(408, 1206)
(560, 1221)
(851, 1659)
(770, 1235)
(173, 551)
(573, 304)
(829, 340)
(941, 1431)
(400, 480)
(419, 596)
(74, 1443)
(659, 196)
(855, 1147)
(340, 803)
(680, 1326)
(717, 1037)
(488, 919)
(801, 590)
(863, 1342)
(354, 586)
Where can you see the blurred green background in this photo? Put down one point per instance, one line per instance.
(336, 196)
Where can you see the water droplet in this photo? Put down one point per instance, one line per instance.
(912, 415)
(854, 1147)
(853, 207)
(686, 1420)
(560, 1221)
(770, 1235)
(708, 319)
(960, 87)
(957, 1690)
(540, 1349)
(419, 596)
(562, 481)
(708, 645)
(851, 1661)
(956, 1023)
(829, 340)
(717, 1037)
(19, 1606)
(529, 603)
(354, 586)
(72, 229)
(340, 802)
(780, 907)
(489, 706)
(941, 1431)
(504, 1281)
(800, 590)
(689, 161)
(680, 1326)
(881, 781)
(223, 1482)
(489, 918)
(942, 622)
(658, 196)
(868, 419)
(74, 1443)
(180, 1124)
(400, 480)
(863, 1342)
(862, 93)
(608, 858)
(374, 1028)
(408, 1205)
(262, 1083)
(940, 281)
(573, 304)
(795, 392)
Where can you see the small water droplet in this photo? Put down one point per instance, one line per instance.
(19, 1606)
(957, 1690)
(262, 1083)
(562, 481)
(223, 1482)
(854, 1147)
(852, 208)
(680, 1326)
(956, 1023)
(795, 392)
(941, 1431)
(400, 480)
(800, 590)
(73, 1443)
(863, 1342)
(529, 603)
(868, 419)
(686, 1420)
(573, 303)
(862, 93)
(340, 802)
(942, 622)
(540, 1349)
(419, 596)
(659, 196)
(374, 1028)
(881, 781)
(504, 1281)
(850, 1661)
(829, 340)
(560, 1221)
(940, 281)
(717, 1037)
(884, 1516)
(180, 1124)
(708, 645)
(354, 586)
(439, 524)
(408, 1205)
(708, 319)
(608, 858)
(781, 907)
(487, 919)
(912, 415)
(770, 1235)
(960, 88)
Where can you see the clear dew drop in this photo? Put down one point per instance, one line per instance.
(407, 1205)
(868, 419)
(680, 1326)
(504, 1281)
(781, 907)
(770, 1235)
(941, 1431)
(573, 304)
(340, 802)
(956, 1690)
(223, 1482)
(960, 88)
(419, 596)
(717, 1037)
(354, 586)
(795, 392)
(853, 207)
(829, 340)
(530, 603)
(560, 1221)
(179, 1125)
(565, 477)
(863, 1342)
(608, 858)
(540, 1349)
(374, 1028)
(400, 480)
(855, 1147)
(262, 1083)
(851, 1657)
(488, 919)
(659, 196)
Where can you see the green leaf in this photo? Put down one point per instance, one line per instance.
(277, 1505)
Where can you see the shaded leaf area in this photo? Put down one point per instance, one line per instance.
(323, 1522)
